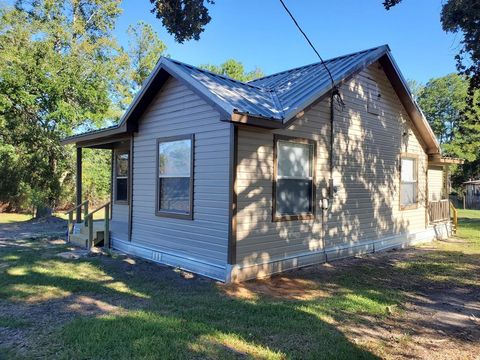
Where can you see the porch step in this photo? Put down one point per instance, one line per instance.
(79, 240)
(81, 237)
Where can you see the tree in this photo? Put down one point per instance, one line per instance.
(184, 19)
(56, 77)
(443, 101)
(234, 69)
(462, 16)
(143, 51)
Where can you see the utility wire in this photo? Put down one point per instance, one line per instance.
(309, 42)
(334, 88)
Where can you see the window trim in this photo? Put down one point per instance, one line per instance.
(416, 158)
(168, 214)
(298, 140)
(118, 152)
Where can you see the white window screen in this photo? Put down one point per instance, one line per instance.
(294, 182)
(408, 186)
(174, 176)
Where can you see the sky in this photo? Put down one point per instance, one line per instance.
(260, 34)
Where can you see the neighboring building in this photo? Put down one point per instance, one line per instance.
(240, 180)
(472, 194)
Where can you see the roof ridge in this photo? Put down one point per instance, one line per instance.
(214, 74)
(317, 63)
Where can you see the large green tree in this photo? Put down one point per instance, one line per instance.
(444, 102)
(57, 71)
(462, 17)
(139, 58)
(234, 69)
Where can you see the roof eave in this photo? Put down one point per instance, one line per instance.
(96, 135)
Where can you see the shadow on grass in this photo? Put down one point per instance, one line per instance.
(150, 311)
(163, 315)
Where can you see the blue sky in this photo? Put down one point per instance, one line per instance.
(260, 34)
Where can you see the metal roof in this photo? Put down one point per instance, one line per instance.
(271, 101)
(280, 96)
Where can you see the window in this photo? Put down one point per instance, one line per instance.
(294, 188)
(175, 177)
(408, 182)
(121, 177)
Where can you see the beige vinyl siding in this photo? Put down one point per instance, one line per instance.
(367, 153)
(435, 183)
(176, 110)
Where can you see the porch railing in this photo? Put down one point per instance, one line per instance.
(71, 223)
(106, 222)
(439, 211)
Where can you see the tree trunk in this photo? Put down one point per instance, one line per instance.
(43, 211)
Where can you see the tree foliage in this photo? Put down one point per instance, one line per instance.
(443, 101)
(62, 72)
(234, 69)
(139, 58)
(462, 16)
(184, 19)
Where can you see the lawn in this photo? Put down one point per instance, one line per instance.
(116, 307)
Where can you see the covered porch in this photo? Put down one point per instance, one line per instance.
(87, 226)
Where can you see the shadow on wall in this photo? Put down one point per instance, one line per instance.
(367, 151)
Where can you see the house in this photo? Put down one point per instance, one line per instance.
(472, 194)
(238, 180)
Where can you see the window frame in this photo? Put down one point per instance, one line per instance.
(298, 140)
(169, 214)
(415, 158)
(117, 153)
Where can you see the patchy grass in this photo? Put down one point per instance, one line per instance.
(115, 307)
(8, 218)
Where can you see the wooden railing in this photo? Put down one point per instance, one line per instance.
(439, 211)
(106, 221)
(454, 213)
(70, 213)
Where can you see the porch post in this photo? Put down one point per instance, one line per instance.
(79, 184)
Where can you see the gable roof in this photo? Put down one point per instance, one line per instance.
(271, 101)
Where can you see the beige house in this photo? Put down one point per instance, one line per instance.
(240, 180)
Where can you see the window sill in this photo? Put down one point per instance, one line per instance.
(279, 218)
(409, 207)
(174, 215)
(120, 202)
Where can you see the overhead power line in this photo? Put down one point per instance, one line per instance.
(309, 42)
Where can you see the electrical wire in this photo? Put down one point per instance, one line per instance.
(308, 40)
(336, 93)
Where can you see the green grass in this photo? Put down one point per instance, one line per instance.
(8, 218)
(143, 311)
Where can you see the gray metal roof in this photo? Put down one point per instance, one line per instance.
(271, 101)
(280, 96)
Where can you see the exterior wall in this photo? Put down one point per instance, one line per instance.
(435, 183)
(366, 210)
(119, 222)
(199, 245)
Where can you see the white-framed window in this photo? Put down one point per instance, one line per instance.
(175, 177)
(294, 184)
(121, 176)
(408, 182)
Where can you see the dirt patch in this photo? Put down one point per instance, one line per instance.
(439, 319)
(49, 226)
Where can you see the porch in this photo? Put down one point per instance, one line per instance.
(88, 228)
